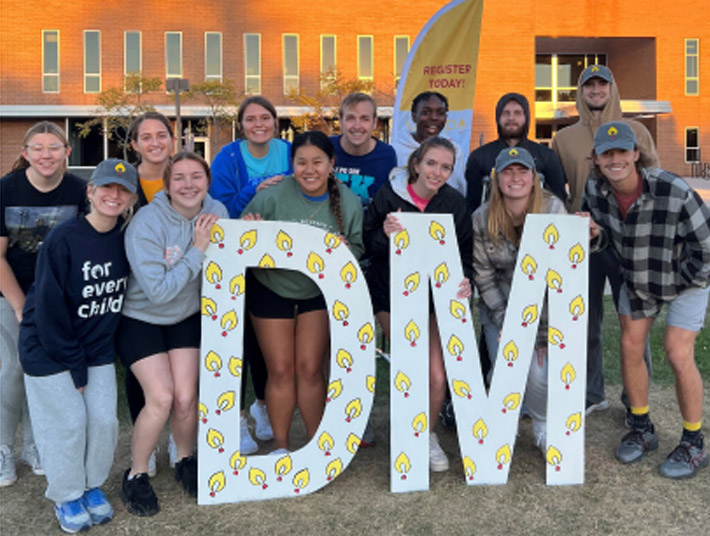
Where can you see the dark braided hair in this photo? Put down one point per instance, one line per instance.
(321, 141)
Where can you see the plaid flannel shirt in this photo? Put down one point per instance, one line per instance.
(664, 242)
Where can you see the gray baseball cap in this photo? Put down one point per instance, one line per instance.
(115, 171)
(615, 135)
(514, 155)
(596, 71)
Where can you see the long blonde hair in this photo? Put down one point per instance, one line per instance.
(500, 224)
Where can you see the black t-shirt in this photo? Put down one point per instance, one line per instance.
(27, 215)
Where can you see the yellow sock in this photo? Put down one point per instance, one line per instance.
(639, 410)
(692, 426)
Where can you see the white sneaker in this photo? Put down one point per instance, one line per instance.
(172, 451)
(152, 464)
(8, 475)
(31, 457)
(539, 429)
(437, 458)
(247, 445)
(263, 429)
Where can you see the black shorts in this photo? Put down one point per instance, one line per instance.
(262, 302)
(136, 339)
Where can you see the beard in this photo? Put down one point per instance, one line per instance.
(511, 132)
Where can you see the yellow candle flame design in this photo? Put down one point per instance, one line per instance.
(366, 333)
(480, 430)
(457, 309)
(554, 336)
(576, 307)
(283, 241)
(530, 314)
(576, 253)
(370, 383)
(574, 422)
(568, 374)
(267, 261)
(334, 389)
(436, 230)
(402, 463)
(401, 239)
(236, 285)
(348, 273)
(455, 346)
(208, 306)
(216, 482)
(511, 401)
(248, 239)
(213, 273)
(411, 331)
(325, 441)
(235, 366)
(214, 438)
(237, 461)
(411, 282)
(212, 361)
(302, 478)
(402, 382)
(528, 265)
(229, 320)
(503, 455)
(554, 281)
(550, 235)
(510, 351)
(334, 469)
(314, 263)
(283, 465)
(461, 388)
(216, 234)
(553, 456)
(419, 423)
(340, 311)
(352, 443)
(441, 273)
(469, 467)
(344, 359)
(257, 477)
(331, 241)
(225, 402)
(353, 409)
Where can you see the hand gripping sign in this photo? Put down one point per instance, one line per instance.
(224, 474)
(552, 257)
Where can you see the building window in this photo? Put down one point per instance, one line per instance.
(692, 145)
(252, 63)
(173, 54)
(556, 75)
(131, 52)
(327, 58)
(365, 68)
(290, 56)
(401, 49)
(213, 56)
(50, 61)
(692, 66)
(92, 61)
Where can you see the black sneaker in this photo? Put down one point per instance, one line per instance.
(138, 496)
(685, 461)
(186, 474)
(635, 444)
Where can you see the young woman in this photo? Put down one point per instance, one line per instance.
(423, 189)
(152, 140)
(159, 334)
(258, 160)
(497, 230)
(35, 197)
(67, 349)
(288, 312)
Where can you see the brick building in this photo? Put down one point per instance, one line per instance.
(56, 56)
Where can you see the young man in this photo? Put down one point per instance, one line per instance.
(513, 121)
(429, 114)
(598, 102)
(362, 162)
(660, 228)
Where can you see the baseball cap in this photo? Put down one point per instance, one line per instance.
(596, 71)
(115, 171)
(614, 135)
(514, 155)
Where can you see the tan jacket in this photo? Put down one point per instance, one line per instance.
(574, 143)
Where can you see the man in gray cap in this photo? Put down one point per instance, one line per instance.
(598, 102)
(660, 229)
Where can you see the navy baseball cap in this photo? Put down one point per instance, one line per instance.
(615, 135)
(514, 155)
(115, 171)
(596, 71)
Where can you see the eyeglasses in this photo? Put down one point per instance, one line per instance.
(55, 149)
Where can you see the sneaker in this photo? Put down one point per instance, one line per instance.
(8, 474)
(186, 474)
(152, 463)
(280, 451)
(72, 516)
(31, 457)
(635, 444)
(138, 496)
(629, 419)
(685, 461)
(98, 506)
(437, 458)
(247, 445)
(539, 429)
(261, 417)
(602, 405)
(172, 451)
(368, 437)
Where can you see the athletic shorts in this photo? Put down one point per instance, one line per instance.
(262, 302)
(136, 339)
(686, 311)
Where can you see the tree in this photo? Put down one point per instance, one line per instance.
(222, 101)
(325, 102)
(119, 106)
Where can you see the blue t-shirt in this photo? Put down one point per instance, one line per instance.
(365, 174)
(274, 163)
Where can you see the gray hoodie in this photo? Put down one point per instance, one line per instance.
(164, 285)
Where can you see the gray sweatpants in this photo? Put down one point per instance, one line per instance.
(13, 404)
(76, 433)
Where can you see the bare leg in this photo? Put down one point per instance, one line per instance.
(633, 368)
(311, 345)
(184, 364)
(680, 352)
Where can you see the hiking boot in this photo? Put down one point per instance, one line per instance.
(437, 458)
(172, 452)
(186, 474)
(98, 506)
(138, 496)
(8, 474)
(635, 444)
(263, 429)
(72, 516)
(685, 461)
(591, 407)
(247, 445)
